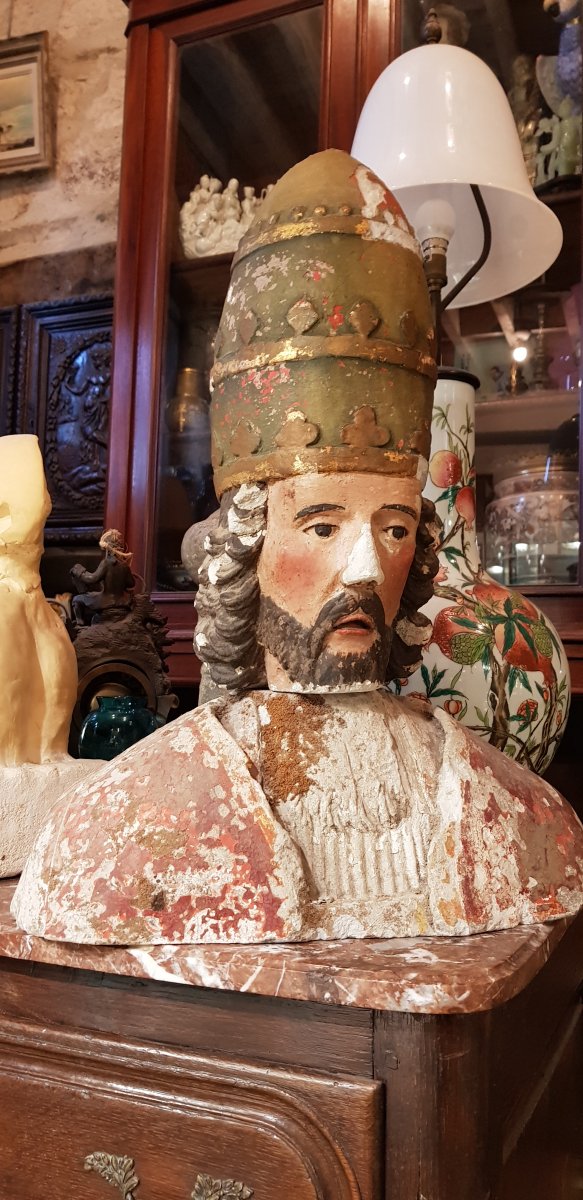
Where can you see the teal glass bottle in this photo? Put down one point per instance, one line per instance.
(115, 724)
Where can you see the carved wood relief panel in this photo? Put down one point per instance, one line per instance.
(63, 394)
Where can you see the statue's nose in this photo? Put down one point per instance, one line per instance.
(363, 564)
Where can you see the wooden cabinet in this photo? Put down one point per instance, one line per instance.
(118, 1085)
(246, 88)
(95, 1109)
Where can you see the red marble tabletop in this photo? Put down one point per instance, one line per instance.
(417, 975)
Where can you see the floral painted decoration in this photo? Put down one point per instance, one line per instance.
(511, 685)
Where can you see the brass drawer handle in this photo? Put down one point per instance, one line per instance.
(207, 1188)
(119, 1172)
(115, 1169)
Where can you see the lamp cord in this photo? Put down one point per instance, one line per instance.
(487, 228)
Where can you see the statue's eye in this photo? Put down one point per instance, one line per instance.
(397, 532)
(321, 530)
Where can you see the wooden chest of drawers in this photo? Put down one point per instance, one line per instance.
(126, 1086)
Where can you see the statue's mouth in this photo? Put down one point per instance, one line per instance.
(357, 622)
(353, 620)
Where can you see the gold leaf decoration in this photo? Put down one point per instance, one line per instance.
(207, 1188)
(364, 317)
(115, 1169)
(302, 315)
(364, 431)
(245, 440)
(297, 431)
(248, 325)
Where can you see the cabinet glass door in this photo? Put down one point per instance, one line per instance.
(248, 110)
(525, 348)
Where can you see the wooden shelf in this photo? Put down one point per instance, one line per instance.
(530, 414)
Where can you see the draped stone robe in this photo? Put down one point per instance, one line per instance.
(283, 817)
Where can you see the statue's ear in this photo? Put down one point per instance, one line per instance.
(193, 544)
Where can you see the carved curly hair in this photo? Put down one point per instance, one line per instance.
(228, 597)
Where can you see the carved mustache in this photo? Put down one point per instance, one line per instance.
(343, 604)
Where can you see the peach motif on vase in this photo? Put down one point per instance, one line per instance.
(494, 662)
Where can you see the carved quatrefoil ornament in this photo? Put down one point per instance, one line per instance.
(296, 431)
(245, 440)
(363, 430)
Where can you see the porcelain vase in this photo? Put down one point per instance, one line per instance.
(494, 662)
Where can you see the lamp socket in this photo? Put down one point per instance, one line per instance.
(435, 262)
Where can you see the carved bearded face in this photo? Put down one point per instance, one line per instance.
(334, 563)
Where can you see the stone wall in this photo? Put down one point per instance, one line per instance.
(70, 211)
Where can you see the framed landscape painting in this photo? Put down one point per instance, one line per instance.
(25, 127)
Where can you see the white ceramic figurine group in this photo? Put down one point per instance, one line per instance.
(213, 220)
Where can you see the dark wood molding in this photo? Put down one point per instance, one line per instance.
(9, 326)
(443, 1143)
(127, 281)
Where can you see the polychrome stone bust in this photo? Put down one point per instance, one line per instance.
(306, 801)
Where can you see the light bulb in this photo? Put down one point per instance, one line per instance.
(520, 354)
(435, 219)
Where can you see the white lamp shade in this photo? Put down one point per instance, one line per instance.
(436, 121)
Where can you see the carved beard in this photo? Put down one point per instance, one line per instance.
(302, 653)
